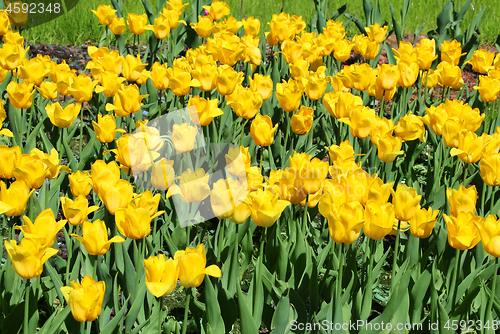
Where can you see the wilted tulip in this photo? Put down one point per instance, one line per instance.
(161, 275)
(192, 266)
(262, 130)
(95, 237)
(29, 256)
(76, 211)
(84, 300)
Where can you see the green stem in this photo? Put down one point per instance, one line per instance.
(160, 317)
(454, 279)
(188, 234)
(69, 247)
(340, 271)
(381, 112)
(139, 245)
(493, 289)
(26, 308)
(89, 327)
(395, 258)
(81, 136)
(186, 310)
(304, 217)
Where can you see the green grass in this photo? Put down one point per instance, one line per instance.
(81, 26)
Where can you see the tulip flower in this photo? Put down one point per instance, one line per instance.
(104, 173)
(226, 196)
(105, 128)
(115, 196)
(105, 14)
(378, 191)
(127, 101)
(29, 256)
(192, 266)
(180, 80)
(376, 33)
(193, 186)
(176, 5)
(289, 94)
(137, 24)
(302, 121)
(406, 202)
(205, 73)
(451, 52)
(388, 76)
(134, 222)
(379, 220)
(147, 201)
(161, 275)
(344, 223)
(364, 46)
(262, 130)
(51, 162)
(410, 127)
(159, 76)
(110, 84)
(262, 84)
(32, 170)
(423, 222)
(63, 118)
(20, 95)
(203, 111)
(315, 84)
(448, 75)
(361, 121)
(173, 17)
(488, 88)
(426, 53)
(227, 79)
(217, 10)
(17, 17)
(183, 137)
(470, 147)
(342, 49)
(133, 67)
(247, 102)
(12, 55)
(266, 207)
(489, 230)
(490, 169)
(203, 27)
(161, 27)
(13, 200)
(462, 200)
(389, 147)
(10, 157)
(408, 74)
(117, 26)
(251, 26)
(81, 88)
(237, 160)
(48, 90)
(133, 152)
(85, 299)
(341, 104)
(462, 231)
(481, 61)
(163, 174)
(95, 237)
(5, 25)
(45, 226)
(76, 211)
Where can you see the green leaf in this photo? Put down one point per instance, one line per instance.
(113, 324)
(213, 312)
(248, 325)
(281, 316)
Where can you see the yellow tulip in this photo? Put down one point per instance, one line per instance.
(193, 187)
(490, 169)
(105, 128)
(217, 10)
(203, 27)
(20, 95)
(481, 61)
(262, 130)
(183, 137)
(173, 17)
(470, 147)
(266, 207)
(289, 94)
(379, 219)
(344, 223)
(251, 26)
(116, 196)
(180, 80)
(13, 200)
(462, 200)
(237, 160)
(48, 90)
(104, 173)
(63, 118)
(451, 52)
(341, 104)
(408, 74)
(149, 202)
(302, 121)
(388, 76)
(133, 67)
(426, 53)
(134, 222)
(376, 33)
(95, 237)
(29, 256)
(364, 46)
(247, 102)
(32, 170)
(161, 275)
(76, 211)
(462, 231)
(227, 196)
(81, 88)
(17, 17)
(85, 300)
(423, 222)
(137, 24)
(227, 79)
(105, 14)
(262, 84)
(361, 121)
(45, 226)
(389, 147)
(163, 174)
(448, 75)
(176, 5)
(406, 202)
(161, 27)
(315, 84)
(128, 100)
(410, 127)
(378, 191)
(110, 84)
(10, 157)
(117, 26)
(488, 88)
(192, 266)
(342, 49)
(12, 55)
(5, 25)
(489, 230)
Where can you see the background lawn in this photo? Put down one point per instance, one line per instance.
(81, 26)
